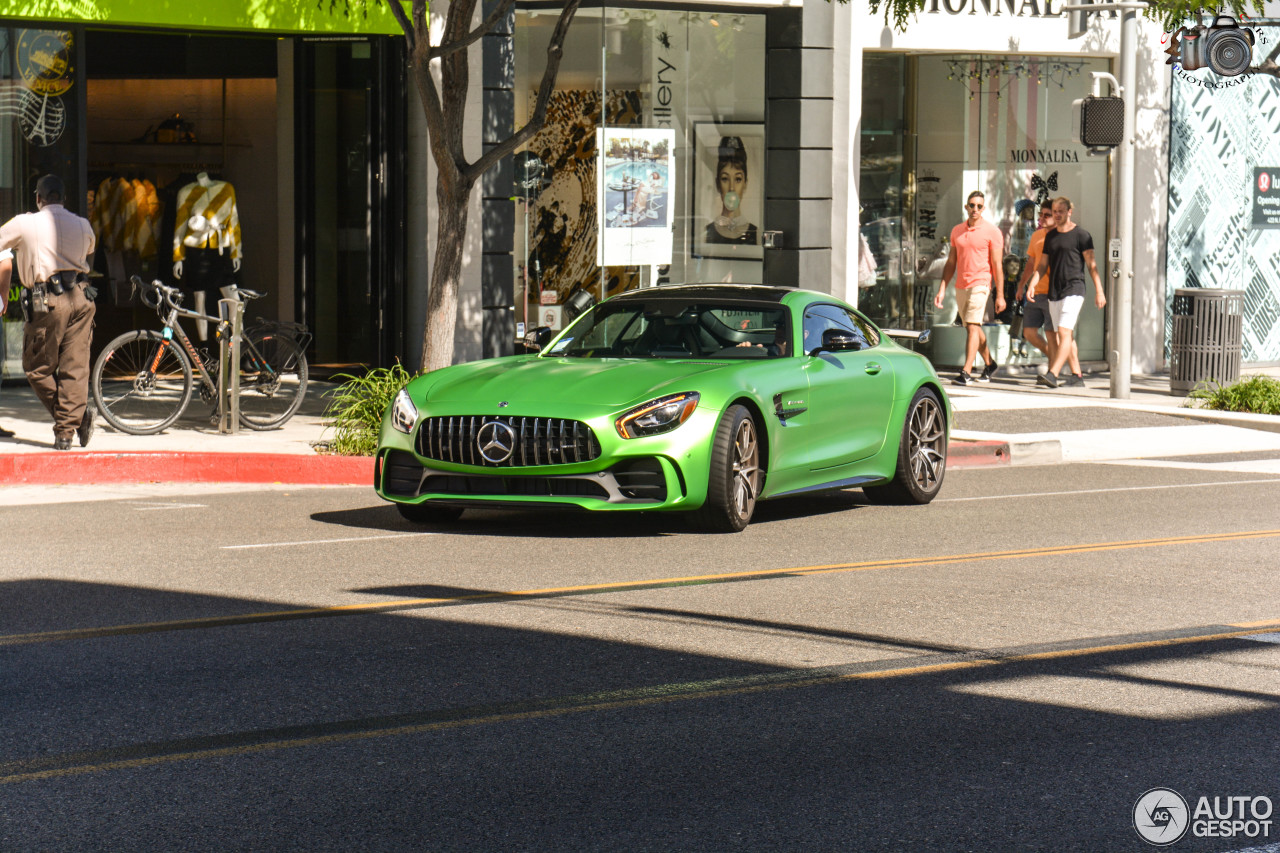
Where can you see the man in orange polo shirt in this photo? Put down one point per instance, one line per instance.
(977, 248)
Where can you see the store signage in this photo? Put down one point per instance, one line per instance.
(665, 79)
(1043, 155)
(1266, 197)
(666, 75)
(1016, 8)
(1012, 8)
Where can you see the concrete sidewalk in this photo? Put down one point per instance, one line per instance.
(1009, 421)
(192, 450)
(1029, 424)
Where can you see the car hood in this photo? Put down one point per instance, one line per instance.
(531, 379)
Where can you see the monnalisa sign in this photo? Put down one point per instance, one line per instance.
(996, 8)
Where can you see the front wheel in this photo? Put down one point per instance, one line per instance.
(141, 382)
(273, 379)
(735, 476)
(922, 455)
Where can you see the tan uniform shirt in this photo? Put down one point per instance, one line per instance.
(46, 242)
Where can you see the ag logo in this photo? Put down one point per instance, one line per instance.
(1160, 816)
(496, 441)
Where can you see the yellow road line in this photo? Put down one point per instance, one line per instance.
(651, 696)
(621, 586)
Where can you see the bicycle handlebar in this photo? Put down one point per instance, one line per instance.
(158, 295)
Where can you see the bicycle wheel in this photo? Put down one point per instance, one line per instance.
(273, 379)
(141, 382)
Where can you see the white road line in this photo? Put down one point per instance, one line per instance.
(324, 541)
(154, 506)
(1101, 491)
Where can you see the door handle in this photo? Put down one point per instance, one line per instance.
(873, 367)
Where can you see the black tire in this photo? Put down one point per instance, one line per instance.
(141, 383)
(429, 513)
(922, 455)
(735, 477)
(273, 379)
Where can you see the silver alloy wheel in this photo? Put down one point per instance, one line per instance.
(746, 469)
(927, 444)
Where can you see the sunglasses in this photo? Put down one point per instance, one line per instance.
(974, 206)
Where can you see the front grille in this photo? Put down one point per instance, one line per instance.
(632, 481)
(538, 441)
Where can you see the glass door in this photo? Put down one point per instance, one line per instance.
(350, 148)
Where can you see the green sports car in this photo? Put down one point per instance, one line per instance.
(694, 398)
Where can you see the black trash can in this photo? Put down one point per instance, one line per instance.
(1208, 328)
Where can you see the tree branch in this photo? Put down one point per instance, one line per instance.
(405, 24)
(475, 35)
(555, 52)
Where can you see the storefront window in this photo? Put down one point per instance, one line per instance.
(39, 134)
(1224, 206)
(997, 124)
(682, 195)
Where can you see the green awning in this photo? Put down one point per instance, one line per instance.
(335, 17)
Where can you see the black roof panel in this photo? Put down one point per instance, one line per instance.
(751, 292)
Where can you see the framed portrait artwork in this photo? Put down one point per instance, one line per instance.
(728, 190)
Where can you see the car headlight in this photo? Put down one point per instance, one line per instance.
(657, 416)
(404, 414)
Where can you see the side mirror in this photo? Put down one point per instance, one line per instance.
(837, 340)
(538, 338)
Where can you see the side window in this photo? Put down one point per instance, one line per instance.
(868, 332)
(819, 318)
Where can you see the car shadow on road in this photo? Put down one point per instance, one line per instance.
(583, 524)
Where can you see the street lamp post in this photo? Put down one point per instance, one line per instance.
(1121, 355)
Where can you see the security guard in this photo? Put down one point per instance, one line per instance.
(52, 248)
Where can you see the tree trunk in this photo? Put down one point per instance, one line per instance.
(452, 199)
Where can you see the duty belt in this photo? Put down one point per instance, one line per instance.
(62, 281)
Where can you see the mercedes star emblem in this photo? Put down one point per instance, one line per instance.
(496, 441)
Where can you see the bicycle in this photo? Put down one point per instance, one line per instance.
(143, 380)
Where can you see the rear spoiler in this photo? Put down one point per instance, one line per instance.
(920, 337)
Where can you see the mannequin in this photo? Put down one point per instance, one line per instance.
(206, 239)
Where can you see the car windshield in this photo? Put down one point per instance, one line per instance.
(664, 328)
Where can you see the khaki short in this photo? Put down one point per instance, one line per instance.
(971, 304)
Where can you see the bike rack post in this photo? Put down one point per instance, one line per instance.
(231, 311)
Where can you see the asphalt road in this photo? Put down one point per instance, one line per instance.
(1010, 668)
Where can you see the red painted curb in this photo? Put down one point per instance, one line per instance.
(150, 467)
(72, 467)
(977, 454)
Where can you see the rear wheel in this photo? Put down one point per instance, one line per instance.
(922, 455)
(429, 513)
(735, 476)
(273, 380)
(141, 382)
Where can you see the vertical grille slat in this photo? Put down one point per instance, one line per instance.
(537, 441)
